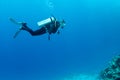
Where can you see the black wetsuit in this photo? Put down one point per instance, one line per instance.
(50, 28)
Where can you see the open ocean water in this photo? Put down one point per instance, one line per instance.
(83, 48)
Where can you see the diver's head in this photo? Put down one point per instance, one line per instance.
(62, 23)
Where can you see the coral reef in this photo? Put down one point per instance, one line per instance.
(83, 77)
(112, 72)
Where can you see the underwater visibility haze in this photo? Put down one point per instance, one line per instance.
(90, 38)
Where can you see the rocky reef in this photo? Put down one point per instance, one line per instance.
(112, 72)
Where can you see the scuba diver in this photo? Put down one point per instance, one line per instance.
(50, 26)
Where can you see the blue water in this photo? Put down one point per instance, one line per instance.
(89, 40)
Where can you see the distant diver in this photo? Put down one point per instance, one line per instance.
(49, 25)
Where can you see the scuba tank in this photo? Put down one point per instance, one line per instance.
(46, 21)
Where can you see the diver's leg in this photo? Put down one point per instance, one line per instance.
(39, 31)
(34, 33)
(26, 28)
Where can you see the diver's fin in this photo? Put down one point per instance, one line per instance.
(16, 34)
(18, 23)
(15, 22)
